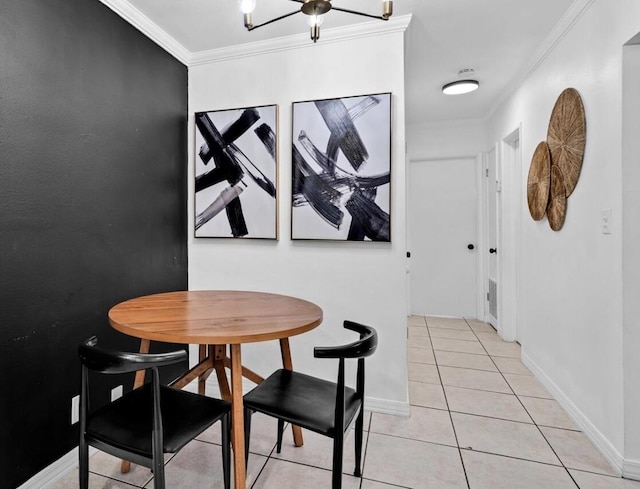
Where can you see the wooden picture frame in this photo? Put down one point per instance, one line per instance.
(236, 172)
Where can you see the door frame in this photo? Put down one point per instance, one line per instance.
(481, 243)
(485, 238)
(510, 208)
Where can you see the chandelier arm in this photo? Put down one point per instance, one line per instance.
(339, 9)
(273, 20)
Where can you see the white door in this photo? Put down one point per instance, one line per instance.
(443, 234)
(491, 283)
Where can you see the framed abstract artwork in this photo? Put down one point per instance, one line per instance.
(341, 158)
(236, 173)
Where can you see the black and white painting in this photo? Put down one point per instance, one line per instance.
(342, 169)
(235, 173)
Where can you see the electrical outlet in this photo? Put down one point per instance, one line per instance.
(75, 409)
(606, 221)
(116, 393)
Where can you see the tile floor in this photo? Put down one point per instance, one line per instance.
(479, 420)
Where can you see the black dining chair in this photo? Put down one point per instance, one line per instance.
(327, 408)
(148, 422)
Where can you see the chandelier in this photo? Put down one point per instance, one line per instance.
(314, 9)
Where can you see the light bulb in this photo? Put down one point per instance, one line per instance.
(247, 6)
(314, 20)
(459, 87)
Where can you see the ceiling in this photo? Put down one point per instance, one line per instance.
(499, 39)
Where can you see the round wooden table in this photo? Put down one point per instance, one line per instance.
(214, 319)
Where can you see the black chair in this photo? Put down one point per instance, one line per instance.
(318, 405)
(148, 422)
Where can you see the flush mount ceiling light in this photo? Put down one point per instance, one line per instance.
(461, 86)
(314, 9)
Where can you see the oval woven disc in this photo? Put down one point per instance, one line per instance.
(566, 137)
(557, 208)
(539, 181)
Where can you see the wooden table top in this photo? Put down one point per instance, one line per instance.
(214, 317)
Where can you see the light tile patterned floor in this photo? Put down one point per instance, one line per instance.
(479, 420)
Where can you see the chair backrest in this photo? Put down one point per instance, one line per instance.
(106, 361)
(364, 347)
(117, 362)
(361, 348)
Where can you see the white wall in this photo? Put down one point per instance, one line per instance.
(570, 282)
(447, 139)
(631, 253)
(364, 282)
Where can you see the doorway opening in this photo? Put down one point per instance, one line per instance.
(502, 234)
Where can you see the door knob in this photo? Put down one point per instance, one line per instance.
(470, 246)
(493, 250)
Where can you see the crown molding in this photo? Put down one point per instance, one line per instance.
(149, 28)
(560, 30)
(336, 34)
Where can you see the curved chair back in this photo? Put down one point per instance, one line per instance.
(361, 348)
(133, 427)
(327, 408)
(118, 362)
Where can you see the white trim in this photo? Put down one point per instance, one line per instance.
(486, 238)
(481, 249)
(631, 469)
(385, 406)
(601, 443)
(443, 157)
(564, 25)
(510, 163)
(288, 43)
(51, 474)
(149, 28)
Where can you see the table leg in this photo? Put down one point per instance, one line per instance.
(219, 354)
(285, 352)
(237, 418)
(202, 380)
(125, 465)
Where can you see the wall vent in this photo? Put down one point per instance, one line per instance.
(493, 298)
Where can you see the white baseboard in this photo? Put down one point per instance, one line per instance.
(57, 470)
(385, 406)
(631, 469)
(602, 444)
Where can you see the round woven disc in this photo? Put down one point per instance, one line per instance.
(557, 208)
(566, 136)
(539, 181)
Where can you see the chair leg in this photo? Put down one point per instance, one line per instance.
(226, 451)
(336, 476)
(359, 428)
(158, 473)
(280, 430)
(247, 435)
(83, 455)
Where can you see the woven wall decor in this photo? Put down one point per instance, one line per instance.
(539, 181)
(566, 137)
(557, 208)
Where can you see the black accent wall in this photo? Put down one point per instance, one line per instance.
(93, 196)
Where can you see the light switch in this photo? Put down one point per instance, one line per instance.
(606, 221)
